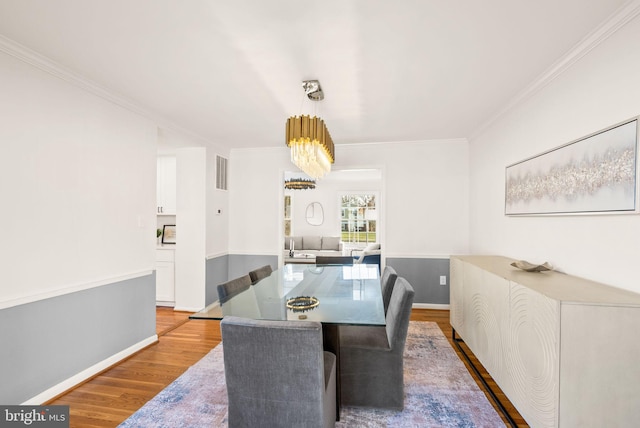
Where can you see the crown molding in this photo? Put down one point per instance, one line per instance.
(610, 26)
(35, 59)
(45, 64)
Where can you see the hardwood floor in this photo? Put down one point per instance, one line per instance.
(167, 319)
(115, 394)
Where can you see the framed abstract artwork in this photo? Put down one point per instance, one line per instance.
(596, 174)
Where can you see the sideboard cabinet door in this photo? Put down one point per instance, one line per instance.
(532, 353)
(486, 309)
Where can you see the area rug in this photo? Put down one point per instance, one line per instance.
(439, 392)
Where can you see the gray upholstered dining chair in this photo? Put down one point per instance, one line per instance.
(230, 288)
(277, 374)
(334, 260)
(387, 281)
(260, 273)
(371, 358)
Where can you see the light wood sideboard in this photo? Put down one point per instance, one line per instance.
(565, 350)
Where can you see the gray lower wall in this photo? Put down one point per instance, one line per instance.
(46, 342)
(424, 276)
(216, 272)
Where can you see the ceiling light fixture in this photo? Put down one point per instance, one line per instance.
(312, 148)
(299, 184)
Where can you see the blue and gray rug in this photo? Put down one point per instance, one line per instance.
(439, 392)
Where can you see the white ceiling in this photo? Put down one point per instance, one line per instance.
(231, 71)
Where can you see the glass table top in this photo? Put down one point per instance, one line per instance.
(345, 295)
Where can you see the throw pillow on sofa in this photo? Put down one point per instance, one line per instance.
(312, 242)
(297, 242)
(331, 243)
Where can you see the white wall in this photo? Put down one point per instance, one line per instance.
(424, 196)
(327, 193)
(198, 223)
(255, 200)
(599, 90)
(78, 191)
(217, 232)
(191, 171)
(77, 187)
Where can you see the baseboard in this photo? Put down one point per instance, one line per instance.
(77, 379)
(186, 309)
(165, 303)
(439, 306)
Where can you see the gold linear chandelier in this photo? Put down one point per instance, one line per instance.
(312, 148)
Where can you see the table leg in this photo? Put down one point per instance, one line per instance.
(331, 341)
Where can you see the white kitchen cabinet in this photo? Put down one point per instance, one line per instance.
(165, 277)
(563, 349)
(166, 185)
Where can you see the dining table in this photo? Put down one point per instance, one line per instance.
(334, 295)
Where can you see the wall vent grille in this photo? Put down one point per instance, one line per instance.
(221, 173)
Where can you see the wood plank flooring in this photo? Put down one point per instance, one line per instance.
(167, 319)
(115, 394)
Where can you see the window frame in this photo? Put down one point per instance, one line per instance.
(358, 243)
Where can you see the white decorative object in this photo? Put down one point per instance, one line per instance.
(315, 214)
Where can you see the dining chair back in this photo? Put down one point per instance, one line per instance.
(277, 374)
(231, 288)
(334, 260)
(387, 281)
(260, 273)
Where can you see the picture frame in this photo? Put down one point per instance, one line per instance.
(595, 174)
(169, 234)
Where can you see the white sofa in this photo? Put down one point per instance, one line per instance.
(314, 245)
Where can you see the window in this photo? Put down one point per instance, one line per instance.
(359, 218)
